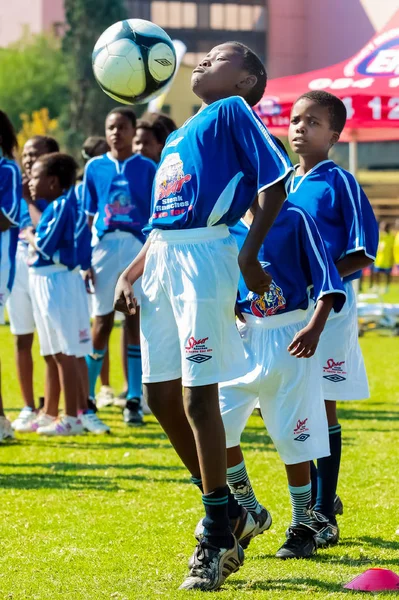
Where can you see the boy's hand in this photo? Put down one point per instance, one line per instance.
(25, 189)
(304, 343)
(239, 314)
(89, 279)
(124, 299)
(256, 279)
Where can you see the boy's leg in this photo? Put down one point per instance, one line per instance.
(104, 373)
(132, 413)
(239, 482)
(24, 361)
(68, 370)
(52, 390)
(101, 331)
(91, 422)
(5, 426)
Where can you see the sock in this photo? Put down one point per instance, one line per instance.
(238, 480)
(216, 522)
(327, 475)
(134, 372)
(313, 479)
(300, 501)
(94, 363)
(233, 508)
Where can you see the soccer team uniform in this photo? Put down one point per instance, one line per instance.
(347, 224)
(210, 172)
(288, 389)
(384, 260)
(10, 195)
(54, 282)
(118, 196)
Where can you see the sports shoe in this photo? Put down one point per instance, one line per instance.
(132, 413)
(338, 505)
(300, 543)
(92, 423)
(91, 404)
(263, 522)
(105, 396)
(326, 532)
(23, 423)
(42, 420)
(210, 566)
(6, 432)
(121, 400)
(64, 426)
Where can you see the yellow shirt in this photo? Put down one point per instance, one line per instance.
(384, 258)
(396, 249)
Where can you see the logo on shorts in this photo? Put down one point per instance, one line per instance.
(301, 426)
(197, 350)
(302, 438)
(84, 336)
(334, 371)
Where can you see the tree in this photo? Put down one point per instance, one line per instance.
(85, 22)
(38, 124)
(32, 76)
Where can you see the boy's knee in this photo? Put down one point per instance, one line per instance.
(24, 342)
(103, 325)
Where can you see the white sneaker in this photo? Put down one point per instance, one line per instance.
(6, 432)
(144, 407)
(42, 420)
(105, 396)
(64, 426)
(93, 424)
(23, 423)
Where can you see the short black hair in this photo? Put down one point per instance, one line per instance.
(49, 142)
(8, 138)
(156, 128)
(62, 166)
(253, 64)
(165, 120)
(94, 145)
(125, 111)
(336, 108)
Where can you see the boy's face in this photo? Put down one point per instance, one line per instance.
(31, 152)
(146, 144)
(42, 185)
(119, 131)
(310, 130)
(221, 75)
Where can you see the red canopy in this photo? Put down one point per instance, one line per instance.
(368, 83)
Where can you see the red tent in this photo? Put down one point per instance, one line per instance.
(368, 83)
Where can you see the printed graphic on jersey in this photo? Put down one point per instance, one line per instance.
(334, 370)
(119, 206)
(169, 182)
(301, 426)
(197, 350)
(268, 304)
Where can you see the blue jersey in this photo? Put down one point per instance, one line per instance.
(213, 167)
(83, 233)
(118, 194)
(340, 208)
(296, 258)
(55, 235)
(25, 218)
(10, 190)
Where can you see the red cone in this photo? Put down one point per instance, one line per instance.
(374, 580)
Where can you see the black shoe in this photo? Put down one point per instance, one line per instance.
(41, 402)
(210, 566)
(91, 405)
(300, 543)
(326, 532)
(132, 413)
(338, 506)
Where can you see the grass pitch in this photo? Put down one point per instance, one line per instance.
(112, 517)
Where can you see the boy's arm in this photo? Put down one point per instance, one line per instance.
(351, 263)
(305, 342)
(124, 299)
(89, 194)
(270, 202)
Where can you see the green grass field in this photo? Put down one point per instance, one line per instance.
(112, 517)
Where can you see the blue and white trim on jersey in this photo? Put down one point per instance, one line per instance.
(10, 198)
(43, 241)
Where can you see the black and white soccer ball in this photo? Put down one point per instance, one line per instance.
(133, 61)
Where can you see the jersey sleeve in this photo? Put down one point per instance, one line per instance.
(323, 272)
(10, 192)
(53, 225)
(24, 216)
(360, 222)
(258, 152)
(89, 192)
(83, 242)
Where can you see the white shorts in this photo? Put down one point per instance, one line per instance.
(342, 366)
(61, 312)
(5, 268)
(189, 290)
(288, 389)
(111, 255)
(19, 305)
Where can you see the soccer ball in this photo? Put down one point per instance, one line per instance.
(133, 61)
